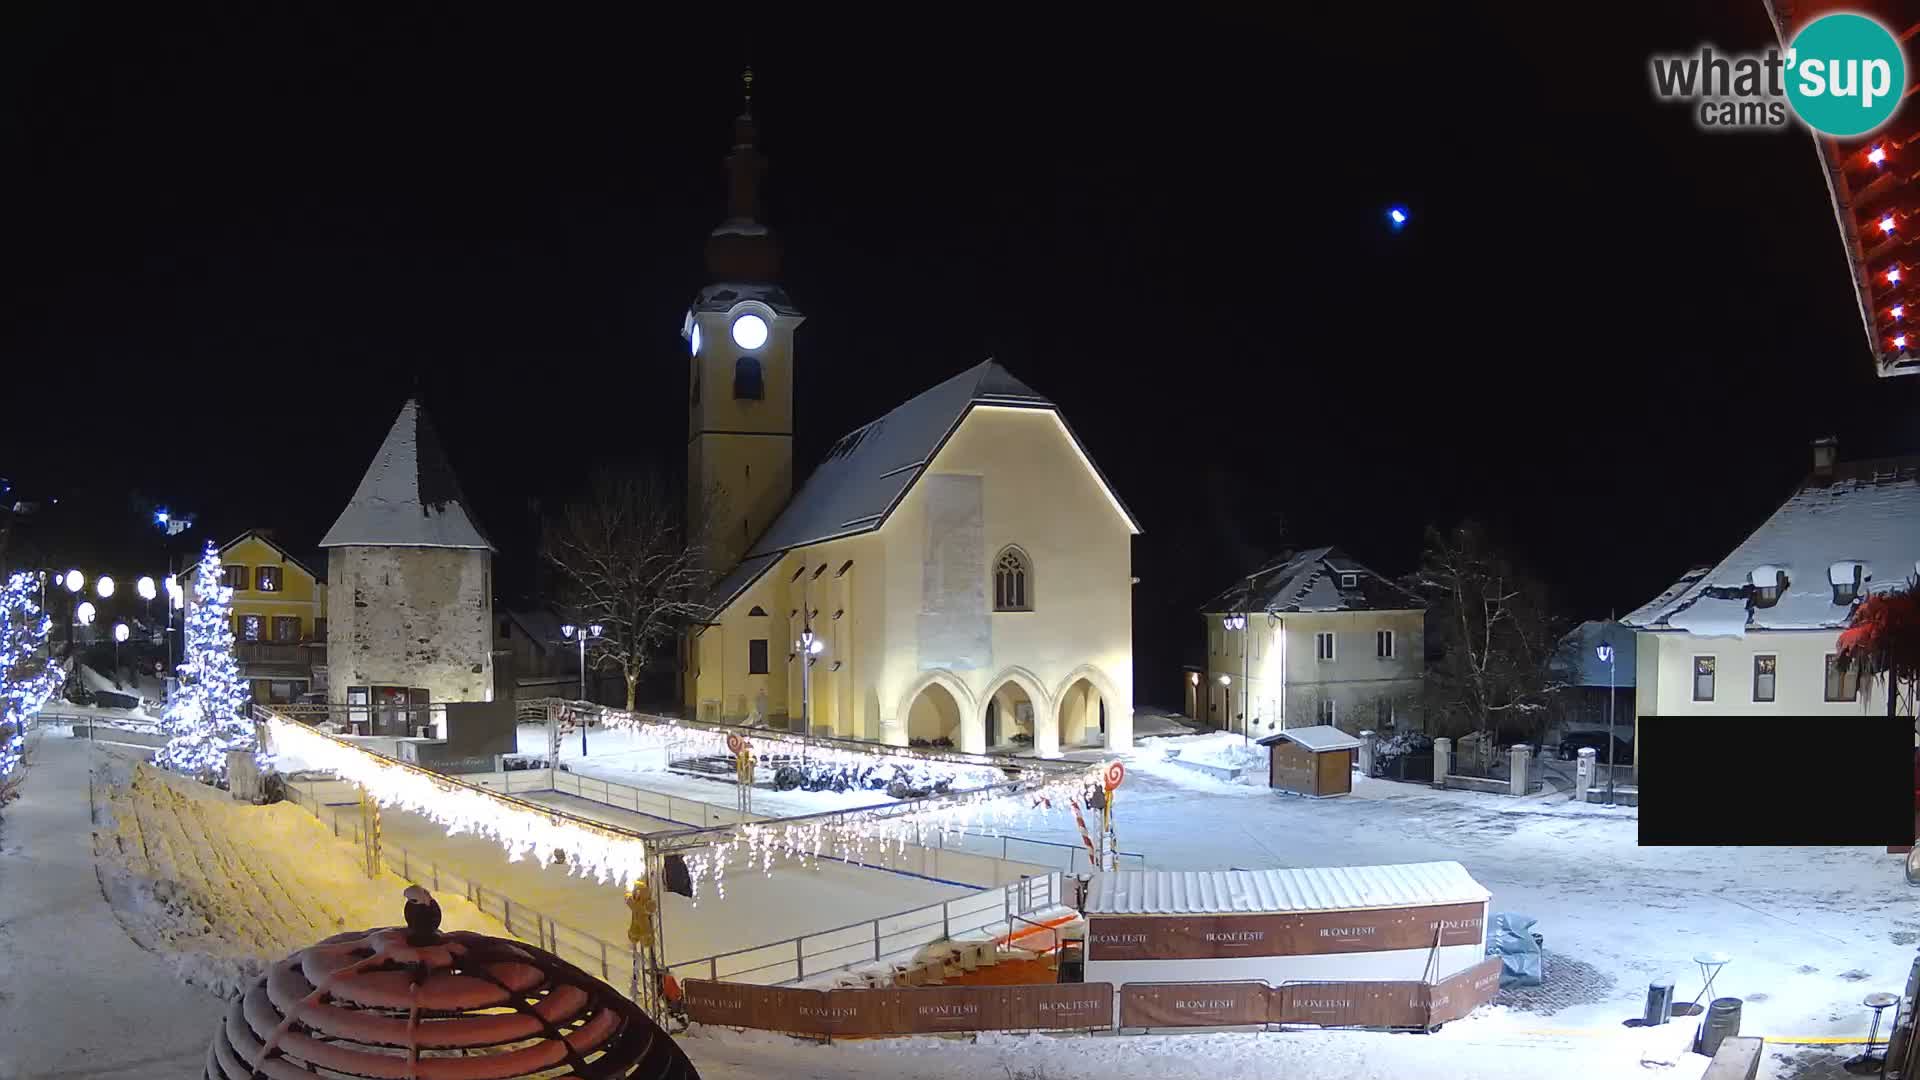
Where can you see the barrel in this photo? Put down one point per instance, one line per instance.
(1659, 1002)
(1723, 1021)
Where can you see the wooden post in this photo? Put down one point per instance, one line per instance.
(370, 832)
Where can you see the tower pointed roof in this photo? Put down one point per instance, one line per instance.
(409, 497)
(742, 248)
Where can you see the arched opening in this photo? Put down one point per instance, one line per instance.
(1083, 715)
(1010, 718)
(934, 718)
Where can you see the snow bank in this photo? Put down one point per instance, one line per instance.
(222, 888)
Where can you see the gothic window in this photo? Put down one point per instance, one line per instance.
(1012, 581)
(746, 378)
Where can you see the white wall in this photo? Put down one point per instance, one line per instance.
(1665, 675)
(406, 616)
(1288, 681)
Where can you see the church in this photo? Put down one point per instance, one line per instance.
(958, 572)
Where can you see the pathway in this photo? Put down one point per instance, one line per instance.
(69, 974)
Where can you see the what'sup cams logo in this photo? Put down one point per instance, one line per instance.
(1842, 75)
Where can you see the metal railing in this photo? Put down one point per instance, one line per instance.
(672, 808)
(875, 940)
(614, 962)
(1071, 858)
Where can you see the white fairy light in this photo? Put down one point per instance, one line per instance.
(603, 854)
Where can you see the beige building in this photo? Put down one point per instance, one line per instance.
(963, 568)
(1756, 633)
(410, 579)
(1311, 638)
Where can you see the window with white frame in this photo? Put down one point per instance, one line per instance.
(1323, 645)
(1842, 685)
(1764, 669)
(1383, 644)
(1703, 678)
(1328, 711)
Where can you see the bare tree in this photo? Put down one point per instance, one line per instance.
(1498, 638)
(628, 561)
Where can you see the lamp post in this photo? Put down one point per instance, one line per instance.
(120, 633)
(171, 525)
(1239, 623)
(581, 634)
(147, 590)
(809, 648)
(74, 580)
(1605, 653)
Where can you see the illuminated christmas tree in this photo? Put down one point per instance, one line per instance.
(27, 678)
(207, 716)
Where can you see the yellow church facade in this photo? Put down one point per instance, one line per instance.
(956, 573)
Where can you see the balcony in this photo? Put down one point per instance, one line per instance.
(278, 654)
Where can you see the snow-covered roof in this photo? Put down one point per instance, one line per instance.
(1318, 738)
(870, 470)
(1325, 888)
(721, 296)
(1310, 580)
(1867, 512)
(1580, 659)
(409, 497)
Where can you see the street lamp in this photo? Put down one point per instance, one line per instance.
(1605, 653)
(84, 613)
(120, 633)
(582, 634)
(74, 580)
(1239, 623)
(104, 586)
(809, 647)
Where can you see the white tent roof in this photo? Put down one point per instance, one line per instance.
(408, 498)
(1325, 888)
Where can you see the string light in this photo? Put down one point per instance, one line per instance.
(1886, 224)
(26, 681)
(1899, 311)
(1900, 341)
(604, 854)
(1893, 276)
(207, 716)
(1877, 155)
(862, 835)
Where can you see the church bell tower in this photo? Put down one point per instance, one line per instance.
(739, 333)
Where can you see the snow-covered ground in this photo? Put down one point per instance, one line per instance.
(1496, 1046)
(226, 889)
(1810, 930)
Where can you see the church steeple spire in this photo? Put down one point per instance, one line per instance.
(743, 249)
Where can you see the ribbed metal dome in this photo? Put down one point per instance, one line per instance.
(416, 1004)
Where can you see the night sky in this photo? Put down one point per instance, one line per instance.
(235, 238)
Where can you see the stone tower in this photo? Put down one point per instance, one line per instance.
(740, 334)
(410, 583)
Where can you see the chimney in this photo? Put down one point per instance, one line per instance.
(1825, 452)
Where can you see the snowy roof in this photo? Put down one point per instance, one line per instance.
(408, 498)
(1310, 581)
(1327, 888)
(721, 296)
(1866, 512)
(1318, 738)
(1578, 655)
(870, 470)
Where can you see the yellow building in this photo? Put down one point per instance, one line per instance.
(279, 615)
(963, 569)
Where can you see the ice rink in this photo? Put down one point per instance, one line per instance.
(758, 908)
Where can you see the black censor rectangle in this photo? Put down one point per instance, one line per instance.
(1776, 781)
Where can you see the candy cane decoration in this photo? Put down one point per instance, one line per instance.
(1085, 837)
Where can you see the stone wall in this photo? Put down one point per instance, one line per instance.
(410, 617)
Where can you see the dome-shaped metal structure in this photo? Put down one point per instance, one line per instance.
(416, 1004)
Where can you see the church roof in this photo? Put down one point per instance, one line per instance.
(870, 470)
(409, 497)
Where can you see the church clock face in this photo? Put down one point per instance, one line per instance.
(749, 332)
(693, 339)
